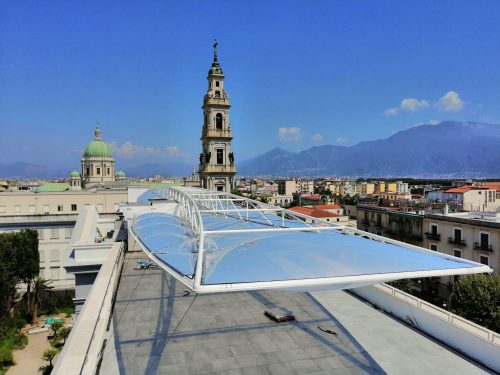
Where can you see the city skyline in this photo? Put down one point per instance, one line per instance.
(297, 75)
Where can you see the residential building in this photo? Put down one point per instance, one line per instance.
(391, 222)
(317, 212)
(470, 235)
(282, 200)
(296, 186)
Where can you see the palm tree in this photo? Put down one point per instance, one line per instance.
(40, 285)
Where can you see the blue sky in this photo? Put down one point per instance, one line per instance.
(298, 73)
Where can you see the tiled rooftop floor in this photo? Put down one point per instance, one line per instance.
(159, 330)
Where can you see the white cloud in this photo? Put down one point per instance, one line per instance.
(317, 138)
(289, 134)
(450, 102)
(409, 105)
(339, 141)
(130, 150)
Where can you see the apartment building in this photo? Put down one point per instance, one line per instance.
(391, 222)
(289, 187)
(470, 235)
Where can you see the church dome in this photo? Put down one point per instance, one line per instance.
(97, 148)
(74, 173)
(120, 173)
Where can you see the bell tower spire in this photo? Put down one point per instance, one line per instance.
(217, 167)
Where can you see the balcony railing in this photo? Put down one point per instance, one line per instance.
(433, 236)
(456, 241)
(483, 247)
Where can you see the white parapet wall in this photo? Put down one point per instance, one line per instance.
(83, 348)
(476, 342)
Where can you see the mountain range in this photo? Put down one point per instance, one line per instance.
(449, 149)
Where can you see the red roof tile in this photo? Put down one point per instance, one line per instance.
(328, 207)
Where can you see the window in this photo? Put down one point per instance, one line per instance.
(54, 234)
(2, 209)
(88, 171)
(32, 210)
(40, 234)
(42, 258)
(220, 188)
(73, 207)
(108, 171)
(434, 229)
(217, 94)
(17, 209)
(457, 253)
(60, 208)
(218, 121)
(457, 234)
(68, 232)
(216, 83)
(220, 156)
(484, 240)
(484, 259)
(433, 247)
(98, 170)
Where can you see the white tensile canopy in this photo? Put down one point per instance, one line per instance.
(219, 242)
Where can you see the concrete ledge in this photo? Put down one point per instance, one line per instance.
(478, 343)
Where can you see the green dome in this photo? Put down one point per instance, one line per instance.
(74, 173)
(97, 148)
(120, 173)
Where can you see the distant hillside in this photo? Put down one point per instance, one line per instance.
(450, 149)
(27, 170)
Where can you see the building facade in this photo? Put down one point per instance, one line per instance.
(59, 203)
(470, 235)
(391, 222)
(54, 236)
(217, 167)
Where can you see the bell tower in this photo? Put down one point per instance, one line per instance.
(217, 167)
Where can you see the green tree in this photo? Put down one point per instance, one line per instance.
(406, 285)
(56, 326)
(8, 272)
(39, 285)
(64, 333)
(25, 245)
(49, 355)
(264, 199)
(477, 298)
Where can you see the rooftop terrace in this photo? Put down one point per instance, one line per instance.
(157, 329)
